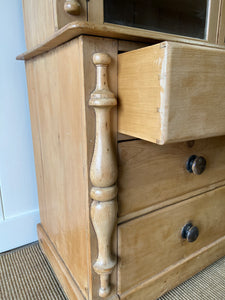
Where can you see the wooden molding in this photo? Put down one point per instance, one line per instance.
(77, 28)
(68, 282)
(103, 175)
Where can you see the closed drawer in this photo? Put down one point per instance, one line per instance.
(152, 176)
(171, 92)
(150, 244)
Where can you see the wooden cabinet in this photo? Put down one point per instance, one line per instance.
(113, 206)
(190, 19)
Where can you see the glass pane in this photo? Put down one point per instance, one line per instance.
(183, 17)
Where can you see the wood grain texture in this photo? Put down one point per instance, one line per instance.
(151, 174)
(43, 17)
(103, 174)
(221, 34)
(62, 18)
(63, 275)
(57, 106)
(90, 46)
(39, 21)
(96, 11)
(171, 92)
(75, 29)
(139, 92)
(213, 20)
(150, 244)
(176, 274)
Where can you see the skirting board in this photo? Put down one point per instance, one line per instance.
(19, 230)
(69, 285)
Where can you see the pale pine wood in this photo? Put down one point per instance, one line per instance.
(103, 174)
(139, 88)
(92, 45)
(171, 92)
(221, 35)
(39, 21)
(63, 126)
(150, 244)
(151, 174)
(148, 209)
(213, 20)
(43, 17)
(74, 29)
(176, 274)
(57, 113)
(62, 120)
(63, 275)
(62, 17)
(96, 11)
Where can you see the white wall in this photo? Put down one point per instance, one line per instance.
(19, 206)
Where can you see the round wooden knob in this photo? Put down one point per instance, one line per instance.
(190, 232)
(196, 164)
(101, 59)
(72, 7)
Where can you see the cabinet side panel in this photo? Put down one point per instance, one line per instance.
(55, 86)
(38, 21)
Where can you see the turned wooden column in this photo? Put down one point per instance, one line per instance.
(103, 175)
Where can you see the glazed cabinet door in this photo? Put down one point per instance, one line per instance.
(189, 18)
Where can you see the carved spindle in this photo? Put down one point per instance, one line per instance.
(72, 7)
(103, 174)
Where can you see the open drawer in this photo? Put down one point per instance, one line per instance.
(172, 92)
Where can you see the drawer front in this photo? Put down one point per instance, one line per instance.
(151, 176)
(150, 244)
(171, 92)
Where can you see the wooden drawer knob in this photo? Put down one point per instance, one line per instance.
(190, 232)
(72, 7)
(196, 164)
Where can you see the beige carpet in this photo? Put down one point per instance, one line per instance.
(26, 275)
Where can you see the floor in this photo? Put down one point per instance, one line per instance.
(26, 275)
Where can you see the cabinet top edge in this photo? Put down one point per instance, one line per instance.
(75, 29)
